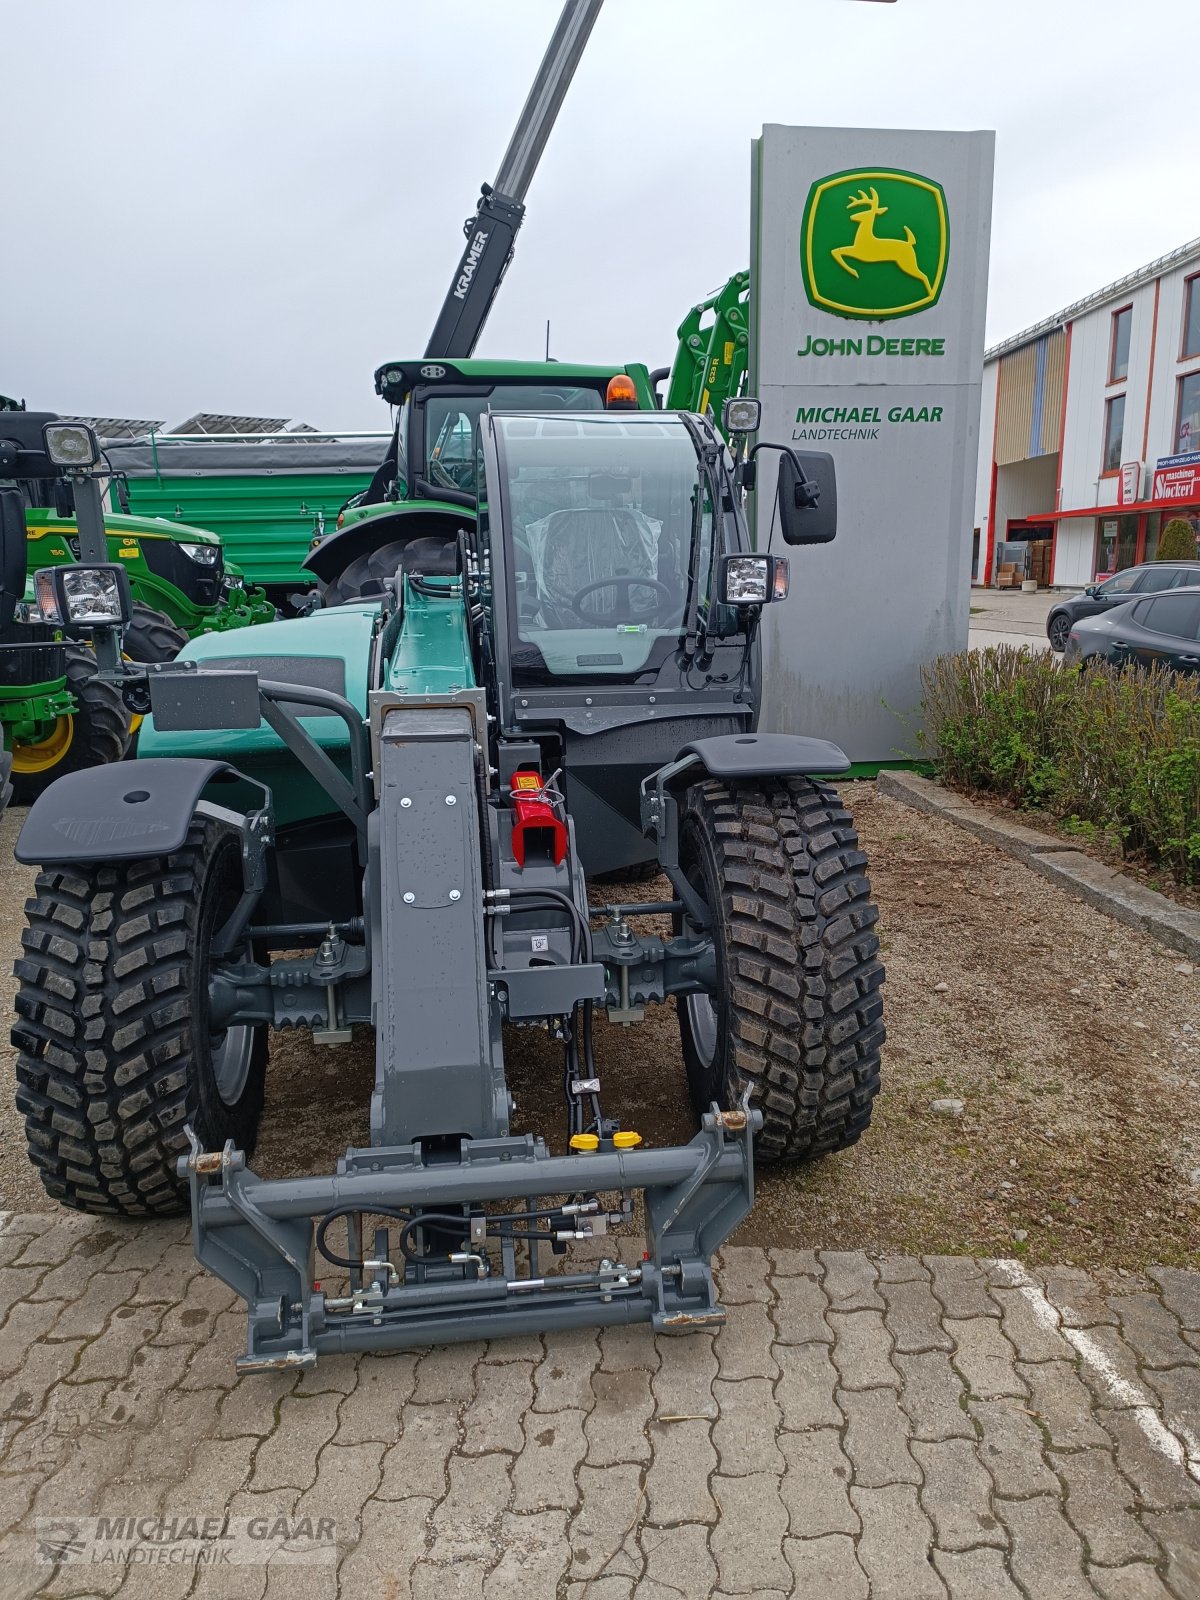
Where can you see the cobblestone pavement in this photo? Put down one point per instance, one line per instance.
(893, 1428)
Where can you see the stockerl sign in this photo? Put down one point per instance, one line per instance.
(1177, 478)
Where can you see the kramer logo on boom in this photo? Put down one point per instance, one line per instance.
(856, 266)
(470, 262)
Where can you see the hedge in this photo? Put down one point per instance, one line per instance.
(1114, 751)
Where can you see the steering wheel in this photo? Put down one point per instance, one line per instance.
(664, 598)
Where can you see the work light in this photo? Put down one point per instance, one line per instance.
(741, 416)
(206, 555)
(754, 580)
(71, 444)
(81, 597)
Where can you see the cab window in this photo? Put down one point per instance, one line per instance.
(451, 420)
(1174, 614)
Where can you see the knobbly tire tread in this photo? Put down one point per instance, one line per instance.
(101, 730)
(106, 1070)
(803, 1022)
(152, 636)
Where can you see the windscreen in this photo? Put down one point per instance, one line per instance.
(600, 515)
(450, 422)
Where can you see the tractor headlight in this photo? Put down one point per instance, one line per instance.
(753, 580)
(741, 416)
(83, 597)
(70, 444)
(205, 555)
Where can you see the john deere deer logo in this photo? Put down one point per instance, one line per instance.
(857, 266)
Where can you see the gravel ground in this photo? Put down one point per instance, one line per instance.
(1073, 1041)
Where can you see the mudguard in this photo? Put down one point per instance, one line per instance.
(760, 755)
(125, 810)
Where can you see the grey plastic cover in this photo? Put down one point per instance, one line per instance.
(196, 458)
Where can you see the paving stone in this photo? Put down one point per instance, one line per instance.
(799, 1311)
(743, 1345)
(816, 1486)
(1109, 1368)
(861, 1350)
(335, 1374)
(805, 1390)
(95, 1461)
(849, 1281)
(112, 1354)
(1152, 1330)
(393, 1541)
(1099, 1503)
(1062, 1404)
(961, 1286)
(562, 1380)
(418, 1463)
(1046, 1557)
(1179, 1391)
(825, 1567)
(605, 1588)
(464, 1525)
(877, 1438)
(1031, 1338)
(515, 1347)
(895, 1545)
(347, 1477)
(747, 1542)
(1136, 1582)
(1150, 1458)
(211, 1364)
(678, 1561)
(190, 1320)
(1178, 1532)
(371, 1411)
(616, 1426)
(503, 1395)
(602, 1529)
(901, 1269)
(534, 1560)
(956, 1495)
(1181, 1294)
(933, 1396)
(43, 1365)
(16, 1284)
(985, 1359)
(624, 1349)
(27, 1325)
(544, 1472)
(743, 1275)
(52, 1246)
(160, 1451)
(447, 1372)
(744, 1434)
(217, 1469)
(1077, 1297)
(252, 1405)
(462, 1580)
(1011, 1448)
(786, 1263)
(166, 1283)
(677, 1477)
(913, 1315)
(682, 1386)
(144, 1246)
(288, 1457)
(975, 1575)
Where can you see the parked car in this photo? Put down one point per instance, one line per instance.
(1150, 578)
(1162, 629)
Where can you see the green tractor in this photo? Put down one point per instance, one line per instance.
(385, 813)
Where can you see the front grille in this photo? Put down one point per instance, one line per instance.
(25, 665)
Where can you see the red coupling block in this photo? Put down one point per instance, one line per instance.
(534, 814)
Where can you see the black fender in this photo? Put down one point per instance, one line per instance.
(407, 519)
(117, 813)
(763, 755)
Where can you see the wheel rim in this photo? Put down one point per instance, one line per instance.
(47, 752)
(1059, 629)
(231, 1053)
(702, 1019)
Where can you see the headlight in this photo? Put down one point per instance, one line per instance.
(206, 555)
(741, 416)
(70, 444)
(83, 597)
(47, 600)
(753, 580)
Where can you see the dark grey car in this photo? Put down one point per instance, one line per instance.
(1150, 578)
(1158, 630)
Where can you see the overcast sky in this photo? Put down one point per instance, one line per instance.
(247, 205)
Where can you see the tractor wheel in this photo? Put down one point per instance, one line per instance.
(797, 1014)
(5, 777)
(96, 732)
(152, 636)
(366, 576)
(114, 1049)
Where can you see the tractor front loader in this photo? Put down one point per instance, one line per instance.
(383, 813)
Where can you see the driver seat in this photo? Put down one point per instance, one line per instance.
(581, 545)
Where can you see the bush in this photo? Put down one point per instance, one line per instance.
(1113, 751)
(1176, 542)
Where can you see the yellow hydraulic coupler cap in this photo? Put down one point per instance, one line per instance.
(626, 1141)
(585, 1141)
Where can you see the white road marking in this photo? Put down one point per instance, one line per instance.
(1164, 1434)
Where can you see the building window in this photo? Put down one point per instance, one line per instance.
(1191, 318)
(1114, 432)
(1118, 361)
(1187, 424)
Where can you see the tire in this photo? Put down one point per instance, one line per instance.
(114, 1054)
(95, 733)
(5, 778)
(1057, 631)
(369, 576)
(797, 1015)
(152, 636)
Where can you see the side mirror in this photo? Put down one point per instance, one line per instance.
(807, 496)
(12, 552)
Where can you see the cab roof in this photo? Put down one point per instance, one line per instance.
(394, 379)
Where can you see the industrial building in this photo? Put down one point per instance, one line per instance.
(1090, 431)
